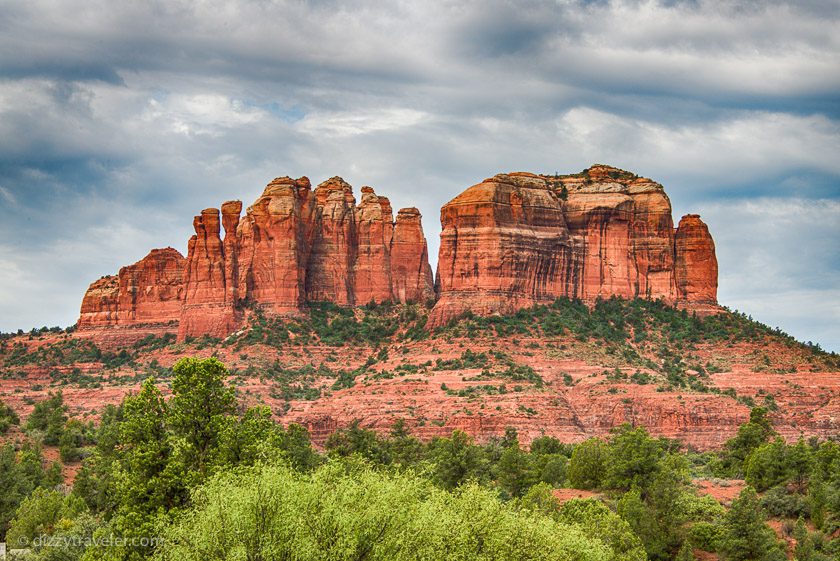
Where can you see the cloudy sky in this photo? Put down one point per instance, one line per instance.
(120, 120)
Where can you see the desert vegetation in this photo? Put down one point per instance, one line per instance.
(209, 479)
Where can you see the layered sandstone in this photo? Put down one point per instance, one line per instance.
(293, 246)
(147, 292)
(503, 246)
(696, 264)
(372, 273)
(411, 275)
(211, 274)
(274, 242)
(511, 241)
(518, 239)
(330, 271)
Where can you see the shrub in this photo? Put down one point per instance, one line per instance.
(363, 515)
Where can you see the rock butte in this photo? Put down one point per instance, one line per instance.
(511, 241)
(519, 239)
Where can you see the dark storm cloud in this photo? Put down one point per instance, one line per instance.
(119, 121)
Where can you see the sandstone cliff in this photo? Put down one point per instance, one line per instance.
(511, 241)
(293, 246)
(518, 239)
(696, 265)
(147, 292)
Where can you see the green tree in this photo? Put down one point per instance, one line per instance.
(8, 417)
(71, 441)
(296, 448)
(645, 524)
(609, 527)
(633, 458)
(74, 534)
(148, 484)
(514, 471)
(95, 482)
(544, 445)
(750, 436)
(767, 465)
(20, 474)
(41, 514)
(273, 513)
(540, 498)
(456, 460)
(402, 448)
(587, 466)
(746, 536)
(800, 461)
(550, 468)
(686, 552)
(245, 440)
(49, 417)
(146, 479)
(198, 409)
(804, 549)
(356, 440)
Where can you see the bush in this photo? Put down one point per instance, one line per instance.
(706, 535)
(41, 514)
(781, 504)
(355, 513)
(8, 417)
(49, 417)
(587, 466)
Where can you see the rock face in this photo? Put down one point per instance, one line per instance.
(411, 275)
(696, 264)
(148, 292)
(211, 273)
(293, 246)
(274, 241)
(518, 239)
(512, 241)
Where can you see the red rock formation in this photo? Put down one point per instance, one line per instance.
(100, 303)
(411, 275)
(374, 231)
(503, 246)
(519, 239)
(275, 240)
(623, 234)
(330, 270)
(696, 264)
(293, 246)
(230, 221)
(148, 292)
(512, 241)
(210, 280)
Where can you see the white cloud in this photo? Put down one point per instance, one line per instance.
(350, 123)
(118, 122)
(7, 196)
(203, 114)
(735, 148)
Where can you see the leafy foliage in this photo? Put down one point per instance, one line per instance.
(49, 417)
(274, 513)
